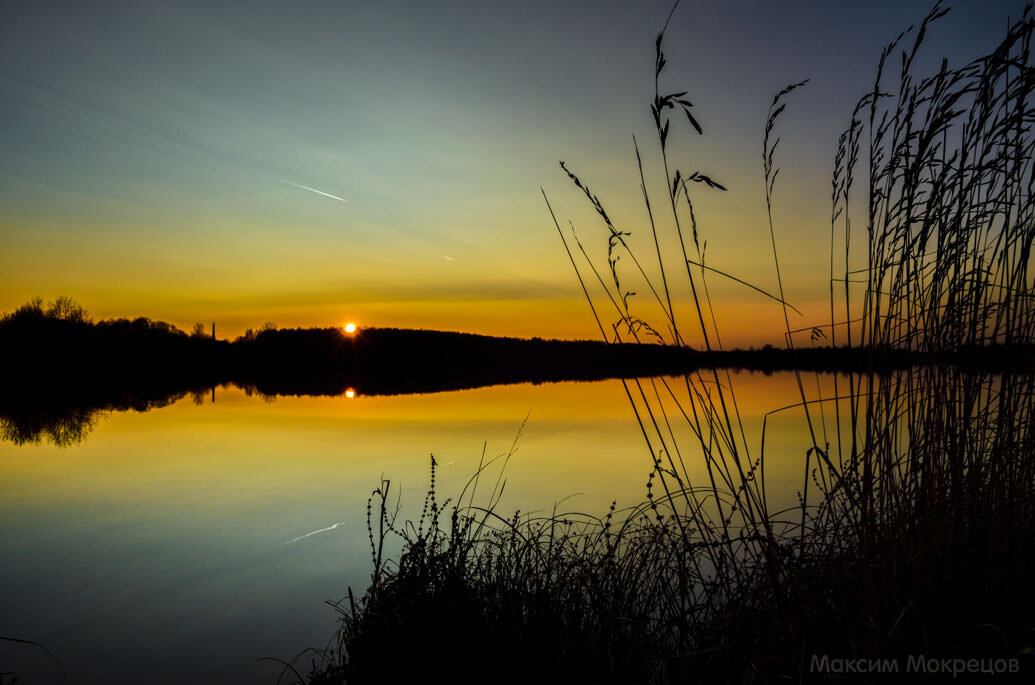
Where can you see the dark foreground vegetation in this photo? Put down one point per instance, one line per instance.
(909, 547)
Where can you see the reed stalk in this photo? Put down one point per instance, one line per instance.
(913, 529)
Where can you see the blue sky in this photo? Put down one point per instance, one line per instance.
(154, 153)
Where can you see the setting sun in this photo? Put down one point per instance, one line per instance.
(191, 201)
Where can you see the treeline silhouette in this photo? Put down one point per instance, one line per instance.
(388, 361)
(62, 368)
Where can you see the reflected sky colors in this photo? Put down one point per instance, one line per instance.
(218, 530)
(303, 163)
(321, 162)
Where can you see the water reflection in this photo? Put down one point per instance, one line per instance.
(187, 530)
(216, 522)
(67, 417)
(61, 428)
(66, 421)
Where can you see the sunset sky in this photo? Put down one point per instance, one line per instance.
(313, 162)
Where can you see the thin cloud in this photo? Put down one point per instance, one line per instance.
(321, 530)
(318, 192)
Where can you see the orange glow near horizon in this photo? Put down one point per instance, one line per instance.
(744, 321)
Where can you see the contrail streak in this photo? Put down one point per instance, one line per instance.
(318, 192)
(322, 530)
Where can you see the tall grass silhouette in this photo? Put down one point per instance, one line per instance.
(913, 526)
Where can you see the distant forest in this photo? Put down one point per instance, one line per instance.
(58, 362)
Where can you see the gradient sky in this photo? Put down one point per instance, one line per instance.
(160, 158)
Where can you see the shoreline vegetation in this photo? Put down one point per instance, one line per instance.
(911, 548)
(66, 369)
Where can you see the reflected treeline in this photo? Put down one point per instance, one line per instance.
(60, 423)
(61, 427)
(63, 371)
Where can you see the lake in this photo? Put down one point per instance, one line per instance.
(187, 542)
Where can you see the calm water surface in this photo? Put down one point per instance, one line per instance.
(181, 544)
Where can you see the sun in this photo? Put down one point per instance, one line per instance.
(350, 328)
(350, 393)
